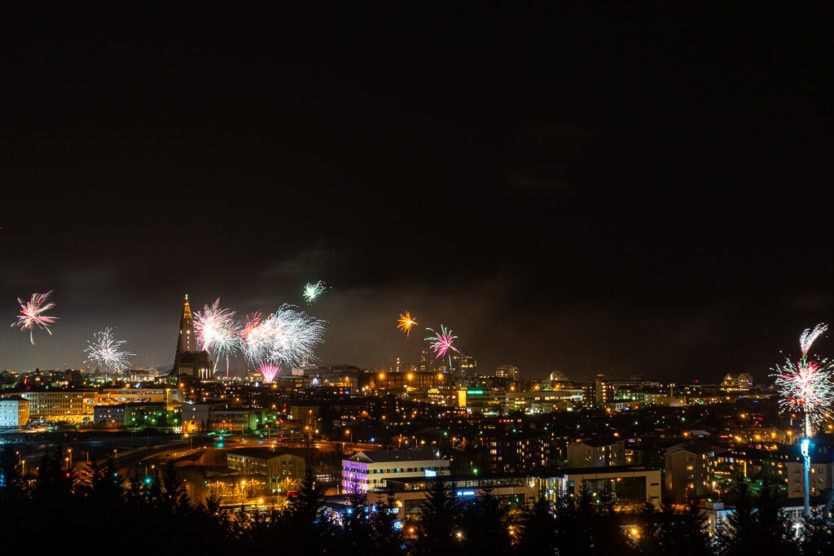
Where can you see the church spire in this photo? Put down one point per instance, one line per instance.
(186, 340)
(190, 360)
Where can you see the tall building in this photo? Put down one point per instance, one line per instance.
(508, 371)
(467, 365)
(189, 361)
(599, 392)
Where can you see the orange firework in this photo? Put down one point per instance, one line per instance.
(406, 322)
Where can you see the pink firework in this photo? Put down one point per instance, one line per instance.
(251, 325)
(32, 314)
(442, 342)
(806, 385)
(269, 371)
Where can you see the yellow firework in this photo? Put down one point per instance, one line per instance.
(405, 322)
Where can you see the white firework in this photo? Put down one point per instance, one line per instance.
(105, 350)
(284, 338)
(217, 331)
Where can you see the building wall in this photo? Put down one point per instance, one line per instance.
(361, 476)
(631, 487)
(582, 454)
(819, 478)
(59, 405)
(687, 475)
(14, 412)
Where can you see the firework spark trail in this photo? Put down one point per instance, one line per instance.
(809, 336)
(269, 371)
(105, 350)
(442, 342)
(806, 386)
(284, 338)
(313, 290)
(226, 342)
(217, 331)
(32, 314)
(406, 322)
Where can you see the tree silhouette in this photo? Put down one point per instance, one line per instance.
(440, 516)
(818, 531)
(369, 528)
(673, 532)
(756, 525)
(537, 529)
(303, 520)
(484, 524)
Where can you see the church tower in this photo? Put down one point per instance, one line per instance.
(189, 362)
(186, 341)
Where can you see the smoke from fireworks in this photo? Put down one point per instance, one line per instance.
(286, 338)
(806, 385)
(217, 331)
(442, 342)
(406, 322)
(105, 350)
(312, 291)
(32, 314)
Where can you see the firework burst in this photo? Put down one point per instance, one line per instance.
(286, 338)
(406, 322)
(269, 371)
(105, 350)
(313, 291)
(806, 385)
(217, 331)
(442, 343)
(32, 314)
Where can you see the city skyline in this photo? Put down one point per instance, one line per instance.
(580, 191)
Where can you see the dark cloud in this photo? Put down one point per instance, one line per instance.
(586, 190)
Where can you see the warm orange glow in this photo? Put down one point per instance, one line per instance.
(406, 322)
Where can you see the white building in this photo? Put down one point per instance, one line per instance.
(14, 412)
(369, 471)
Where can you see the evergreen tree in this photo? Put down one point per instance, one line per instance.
(757, 526)
(355, 534)
(172, 496)
(304, 520)
(386, 529)
(12, 486)
(775, 529)
(537, 529)
(101, 494)
(574, 515)
(14, 499)
(484, 525)
(53, 503)
(648, 525)
(371, 529)
(440, 514)
(587, 523)
(818, 532)
(102, 484)
(681, 532)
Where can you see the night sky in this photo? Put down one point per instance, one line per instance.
(581, 191)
